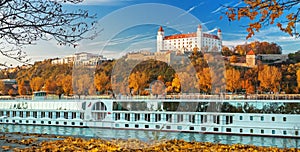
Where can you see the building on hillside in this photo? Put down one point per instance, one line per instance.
(190, 41)
(82, 58)
(271, 59)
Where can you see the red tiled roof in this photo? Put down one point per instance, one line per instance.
(160, 29)
(251, 52)
(211, 36)
(177, 36)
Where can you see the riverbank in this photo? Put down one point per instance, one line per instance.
(21, 142)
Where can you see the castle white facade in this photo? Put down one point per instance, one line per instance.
(188, 42)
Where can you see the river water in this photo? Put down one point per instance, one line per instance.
(152, 135)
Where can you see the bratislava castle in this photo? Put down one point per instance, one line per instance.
(187, 42)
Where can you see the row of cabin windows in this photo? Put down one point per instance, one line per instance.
(42, 114)
(262, 118)
(251, 131)
(42, 122)
(180, 118)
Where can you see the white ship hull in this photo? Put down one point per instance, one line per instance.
(104, 113)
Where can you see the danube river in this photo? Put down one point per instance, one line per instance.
(152, 135)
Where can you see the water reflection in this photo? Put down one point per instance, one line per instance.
(152, 135)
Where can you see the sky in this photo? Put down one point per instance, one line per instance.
(131, 25)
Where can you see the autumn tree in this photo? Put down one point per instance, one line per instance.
(298, 78)
(269, 77)
(22, 88)
(26, 22)
(204, 77)
(36, 83)
(176, 85)
(3, 88)
(233, 59)
(233, 81)
(102, 82)
(262, 13)
(250, 80)
(226, 51)
(50, 86)
(138, 81)
(66, 84)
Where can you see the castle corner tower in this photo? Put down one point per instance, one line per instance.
(160, 39)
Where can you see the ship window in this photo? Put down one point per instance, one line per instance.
(168, 127)
(34, 121)
(14, 113)
(192, 128)
(251, 131)
(35, 114)
(168, 117)
(228, 129)
(203, 128)
(49, 122)
(216, 129)
(179, 118)
(157, 117)
(157, 126)
(13, 121)
(73, 115)
(1, 113)
(127, 116)
(42, 122)
(284, 118)
(136, 126)
(192, 118)
(7, 113)
(0, 120)
(27, 121)
(81, 115)
(284, 132)
(296, 133)
(216, 119)
(229, 119)
(273, 118)
(262, 118)
(126, 125)
(21, 114)
(137, 117)
(57, 122)
(117, 116)
(66, 115)
(203, 118)
(179, 127)
(241, 117)
(42, 114)
(273, 131)
(251, 118)
(81, 124)
(20, 121)
(146, 126)
(147, 117)
(65, 123)
(6, 120)
(241, 130)
(73, 123)
(57, 114)
(50, 115)
(262, 131)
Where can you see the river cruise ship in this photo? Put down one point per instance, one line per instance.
(263, 117)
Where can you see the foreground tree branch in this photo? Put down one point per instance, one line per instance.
(24, 22)
(283, 13)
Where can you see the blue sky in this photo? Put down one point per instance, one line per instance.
(131, 25)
